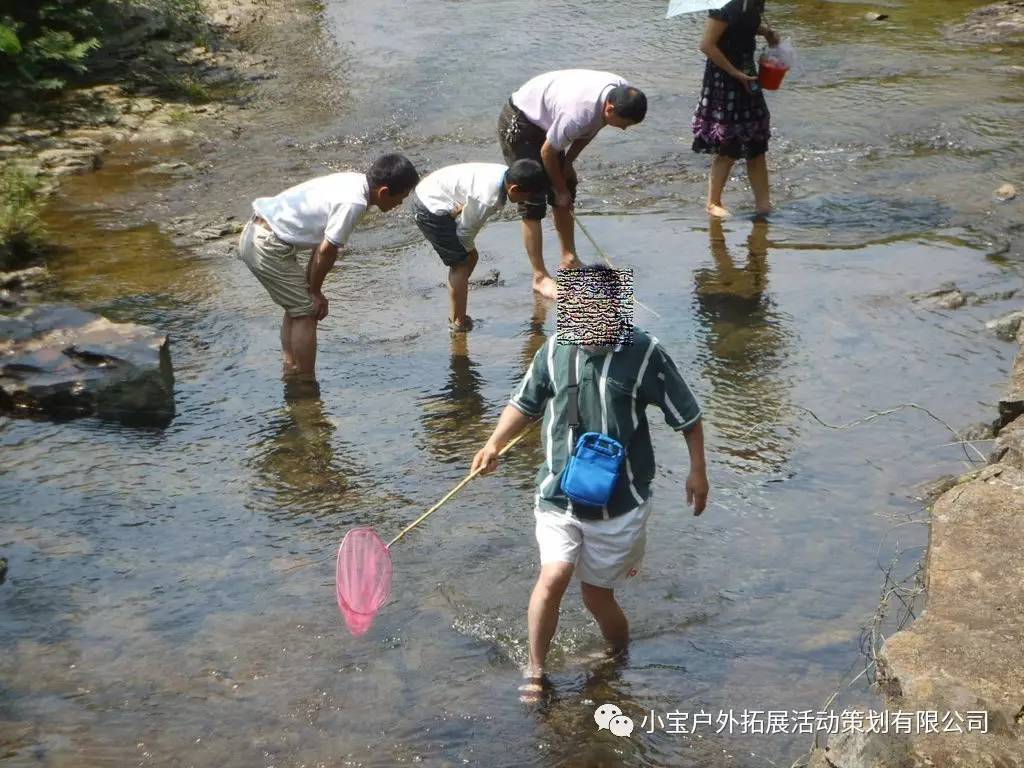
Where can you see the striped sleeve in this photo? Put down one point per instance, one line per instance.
(664, 387)
(535, 389)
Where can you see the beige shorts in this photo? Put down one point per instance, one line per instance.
(276, 265)
(606, 553)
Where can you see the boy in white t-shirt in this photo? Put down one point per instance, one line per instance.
(551, 119)
(453, 204)
(319, 215)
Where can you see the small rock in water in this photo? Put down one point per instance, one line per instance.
(946, 296)
(1006, 326)
(1006, 192)
(493, 277)
(875, 16)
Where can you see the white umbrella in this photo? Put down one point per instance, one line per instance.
(679, 7)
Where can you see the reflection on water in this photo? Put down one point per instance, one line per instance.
(458, 408)
(298, 461)
(747, 340)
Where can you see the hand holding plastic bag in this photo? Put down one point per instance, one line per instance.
(782, 55)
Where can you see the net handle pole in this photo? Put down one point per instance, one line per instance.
(608, 261)
(462, 484)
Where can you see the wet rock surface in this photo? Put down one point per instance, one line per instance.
(999, 22)
(946, 296)
(171, 84)
(64, 362)
(1011, 405)
(1006, 326)
(961, 654)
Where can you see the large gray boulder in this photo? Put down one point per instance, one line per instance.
(65, 362)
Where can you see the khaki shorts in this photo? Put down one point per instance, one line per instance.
(606, 553)
(276, 265)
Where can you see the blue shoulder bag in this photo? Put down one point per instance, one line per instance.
(593, 469)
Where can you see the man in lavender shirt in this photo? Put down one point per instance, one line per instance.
(551, 119)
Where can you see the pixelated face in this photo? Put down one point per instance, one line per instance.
(595, 307)
(604, 714)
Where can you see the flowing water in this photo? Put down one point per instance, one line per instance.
(150, 616)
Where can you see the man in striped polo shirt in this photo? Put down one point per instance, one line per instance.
(604, 546)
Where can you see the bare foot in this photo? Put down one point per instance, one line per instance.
(461, 326)
(571, 261)
(533, 689)
(717, 211)
(546, 287)
(762, 213)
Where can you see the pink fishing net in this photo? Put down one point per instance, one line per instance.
(363, 578)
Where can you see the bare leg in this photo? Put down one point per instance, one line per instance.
(287, 358)
(721, 167)
(458, 292)
(542, 616)
(757, 172)
(303, 346)
(565, 226)
(610, 618)
(533, 239)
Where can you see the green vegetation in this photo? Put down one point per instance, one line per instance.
(22, 236)
(46, 45)
(186, 87)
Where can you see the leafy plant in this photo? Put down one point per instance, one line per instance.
(22, 234)
(42, 44)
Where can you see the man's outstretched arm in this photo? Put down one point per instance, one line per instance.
(512, 422)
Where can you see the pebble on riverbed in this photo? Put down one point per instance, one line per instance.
(1006, 192)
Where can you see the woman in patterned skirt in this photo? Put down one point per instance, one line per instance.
(732, 121)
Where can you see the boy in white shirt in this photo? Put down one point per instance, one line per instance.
(551, 119)
(453, 204)
(320, 215)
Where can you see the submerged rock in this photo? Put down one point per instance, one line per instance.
(875, 16)
(65, 362)
(946, 296)
(1006, 192)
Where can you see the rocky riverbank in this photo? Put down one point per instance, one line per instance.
(160, 90)
(962, 654)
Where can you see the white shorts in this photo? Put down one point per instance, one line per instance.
(606, 553)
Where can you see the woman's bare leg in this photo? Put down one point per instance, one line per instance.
(721, 167)
(757, 172)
